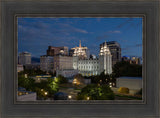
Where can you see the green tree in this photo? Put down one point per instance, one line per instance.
(40, 93)
(52, 86)
(95, 92)
(104, 79)
(27, 83)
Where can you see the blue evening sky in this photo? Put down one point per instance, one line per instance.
(36, 34)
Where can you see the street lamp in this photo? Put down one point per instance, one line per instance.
(45, 93)
(69, 96)
(75, 82)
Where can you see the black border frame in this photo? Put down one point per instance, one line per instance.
(150, 109)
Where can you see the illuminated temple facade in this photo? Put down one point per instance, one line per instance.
(81, 52)
(92, 66)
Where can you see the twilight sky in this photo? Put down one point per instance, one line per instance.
(36, 34)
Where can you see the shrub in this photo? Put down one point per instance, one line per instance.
(139, 92)
(62, 79)
(123, 90)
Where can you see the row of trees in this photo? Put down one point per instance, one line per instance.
(124, 68)
(103, 79)
(31, 72)
(45, 88)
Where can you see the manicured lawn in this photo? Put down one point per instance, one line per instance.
(126, 97)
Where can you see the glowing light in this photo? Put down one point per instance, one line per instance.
(87, 98)
(69, 96)
(75, 81)
(25, 75)
(110, 86)
(41, 89)
(45, 93)
(20, 93)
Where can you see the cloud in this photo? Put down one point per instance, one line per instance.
(80, 30)
(64, 27)
(114, 32)
(107, 35)
(122, 40)
(129, 24)
(47, 32)
(132, 46)
(125, 23)
(102, 37)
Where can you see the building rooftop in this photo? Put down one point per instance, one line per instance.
(113, 42)
(25, 53)
(129, 77)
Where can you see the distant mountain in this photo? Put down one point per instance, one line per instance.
(35, 60)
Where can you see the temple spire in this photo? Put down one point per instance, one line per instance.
(80, 43)
(105, 43)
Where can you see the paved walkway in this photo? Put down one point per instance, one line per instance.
(70, 91)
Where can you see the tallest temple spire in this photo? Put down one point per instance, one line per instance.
(80, 43)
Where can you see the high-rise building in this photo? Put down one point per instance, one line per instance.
(24, 58)
(63, 62)
(132, 59)
(135, 60)
(20, 68)
(81, 52)
(46, 63)
(53, 51)
(115, 50)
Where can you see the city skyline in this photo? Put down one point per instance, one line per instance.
(36, 34)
